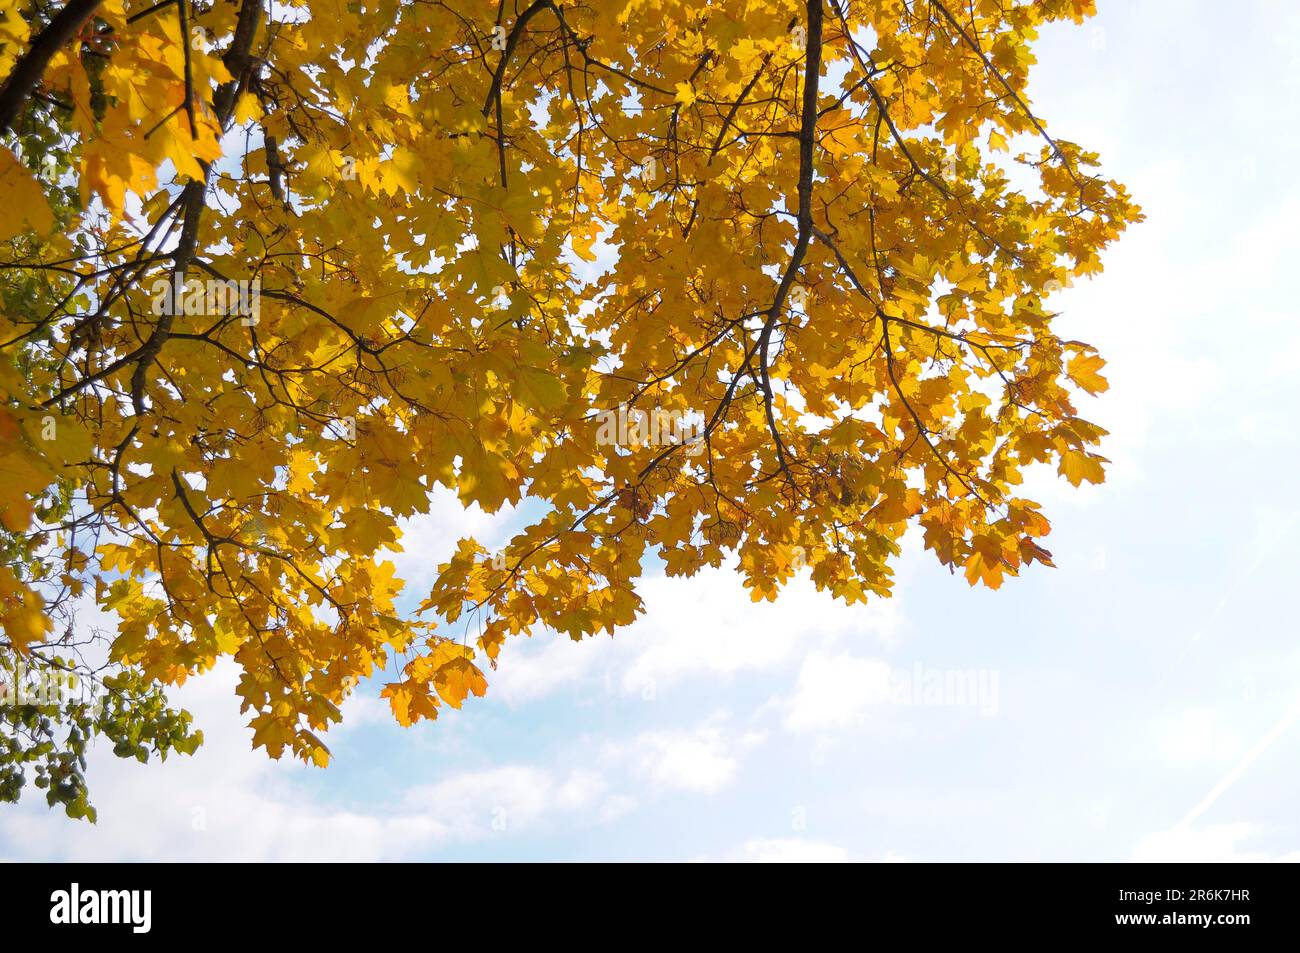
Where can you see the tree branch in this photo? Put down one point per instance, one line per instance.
(28, 71)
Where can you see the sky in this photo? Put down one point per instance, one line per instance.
(1139, 702)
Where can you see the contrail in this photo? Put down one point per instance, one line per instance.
(1242, 766)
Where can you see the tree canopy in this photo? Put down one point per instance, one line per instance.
(751, 280)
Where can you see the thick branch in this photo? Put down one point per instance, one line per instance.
(238, 61)
(807, 149)
(28, 71)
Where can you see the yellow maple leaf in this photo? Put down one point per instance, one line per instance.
(22, 198)
(457, 678)
(1085, 369)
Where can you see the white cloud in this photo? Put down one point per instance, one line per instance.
(1216, 843)
(687, 762)
(616, 807)
(796, 850)
(229, 802)
(793, 850)
(706, 625)
(531, 670)
(702, 760)
(429, 539)
(835, 691)
(472, 805)
(709, 624)
(1196, 736)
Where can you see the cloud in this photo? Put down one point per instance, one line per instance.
(796, 850)
(835, 691)
(1197, 736)
(472, 805)
(689, 762)
(615, 807)
(792, 850)
(536, 669)
(430, 539)
(701, 760)
(229, 802)
(1216, 843)
(709, 625)
(706, 625)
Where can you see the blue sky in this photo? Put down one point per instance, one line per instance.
(1139, 702)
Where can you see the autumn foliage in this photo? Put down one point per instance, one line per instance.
(823, 233)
